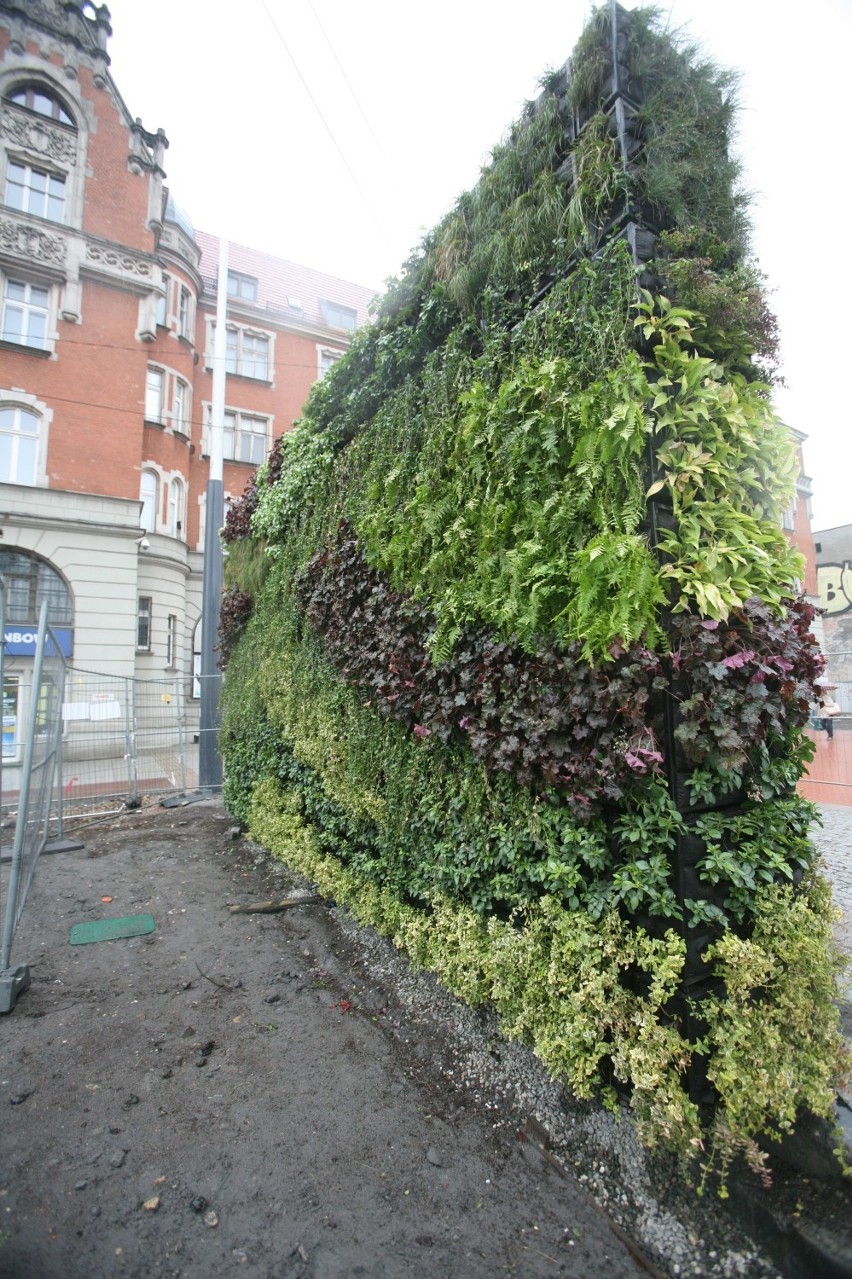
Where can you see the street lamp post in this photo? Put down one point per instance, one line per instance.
(209, 758)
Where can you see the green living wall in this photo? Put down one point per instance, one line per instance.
(517, 667)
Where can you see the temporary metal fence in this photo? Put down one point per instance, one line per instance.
(122, 739)
(40, 763)
(126, 738)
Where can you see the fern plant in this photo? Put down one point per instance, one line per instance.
(616, 595)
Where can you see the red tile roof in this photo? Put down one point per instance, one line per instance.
(281, 284)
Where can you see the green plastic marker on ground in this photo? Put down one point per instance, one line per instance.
(111, 929)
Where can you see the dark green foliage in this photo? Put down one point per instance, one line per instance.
(748, 849)
(736, 320)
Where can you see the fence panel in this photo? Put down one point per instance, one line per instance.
(41, 763)
(160, 735)
(124, 738)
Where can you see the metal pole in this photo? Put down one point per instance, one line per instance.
(59, 780)
(130, 740)
(179, 703)
(209, 759)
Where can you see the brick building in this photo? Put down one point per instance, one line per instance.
(797, 520)
(108, 314)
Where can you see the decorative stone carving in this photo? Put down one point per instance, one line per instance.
(72, 301)
(88, 30)
(119, 260)
(49, 13)
(31, 242)
(39, 135)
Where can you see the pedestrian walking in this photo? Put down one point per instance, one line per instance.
(828, 708)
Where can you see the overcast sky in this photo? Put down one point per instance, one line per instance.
(335, 134)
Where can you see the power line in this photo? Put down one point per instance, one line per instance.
(151, 358)
(355, 98)
(326, 125)
(138, 412)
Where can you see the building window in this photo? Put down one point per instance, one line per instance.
(35, 98)
(154, 395)
(185, 310)
(255, 355)
(171, 640)
(196, 660)
(246, 437)
(11, 732)
(339, 317)
(175, 519)
(29, 583)
(148, 491)
(168, 400)
(35, 191)
(180, 407)
(242, 286)
(327, 359)
(143, 623)
(161, 310)
(25, 312)
(19, 439)
(246, 353)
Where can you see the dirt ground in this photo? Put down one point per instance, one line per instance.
(269, 1095)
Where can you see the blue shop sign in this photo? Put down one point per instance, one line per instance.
(20, 639)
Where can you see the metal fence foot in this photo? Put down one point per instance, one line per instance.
(13, 982)
(180, 801)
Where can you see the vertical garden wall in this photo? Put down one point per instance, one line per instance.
(516, 662)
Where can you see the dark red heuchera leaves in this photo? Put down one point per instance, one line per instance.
(744, 681)
(234, 615)
(238, 517)
(547, 718)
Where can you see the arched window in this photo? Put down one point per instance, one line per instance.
(148, 493)
(36, 97)
(175, 523)
(42, 158)
(29, 582)
(19, 440)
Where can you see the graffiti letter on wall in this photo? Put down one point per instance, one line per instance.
(834, 585)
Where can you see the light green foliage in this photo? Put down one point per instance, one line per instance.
(554, 977)
(246, 566)
(600, 182)
(559, 982)
(306, 477)
(615, 594)
(773, 1039)
(509, 469)
(729, 469)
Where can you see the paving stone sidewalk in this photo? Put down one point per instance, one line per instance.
(834, 841)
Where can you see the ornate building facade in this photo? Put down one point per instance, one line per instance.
(108, 301)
